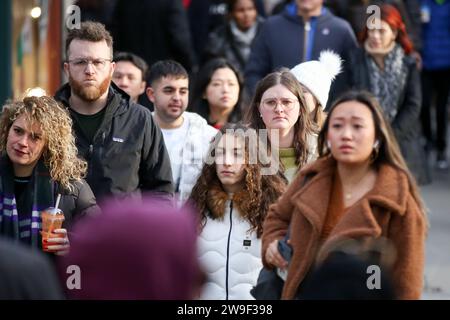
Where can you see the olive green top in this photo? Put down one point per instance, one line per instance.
(287, 158)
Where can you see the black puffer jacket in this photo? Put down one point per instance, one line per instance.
(128, 155)
(75, 204)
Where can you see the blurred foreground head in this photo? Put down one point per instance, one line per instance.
(354, 270)
(135, 251)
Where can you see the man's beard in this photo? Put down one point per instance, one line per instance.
(89, 93)
(169, 117)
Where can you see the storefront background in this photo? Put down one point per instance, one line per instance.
(31, 52)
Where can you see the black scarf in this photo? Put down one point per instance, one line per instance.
(38, 195)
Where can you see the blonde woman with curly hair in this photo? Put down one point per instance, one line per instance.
(38, 162)
(232, 196)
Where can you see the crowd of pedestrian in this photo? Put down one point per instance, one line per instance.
(308, 128)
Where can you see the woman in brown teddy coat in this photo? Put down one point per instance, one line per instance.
(361, 189)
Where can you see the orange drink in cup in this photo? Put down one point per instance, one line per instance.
(52, 218)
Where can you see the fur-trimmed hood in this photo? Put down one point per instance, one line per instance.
(217, 199)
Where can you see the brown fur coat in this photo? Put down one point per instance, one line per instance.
(217, 198)
(388, 210)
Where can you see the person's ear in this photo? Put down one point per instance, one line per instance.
(113, 67)
(395, 32)
(150, 94)
(142, 88)
(66, 69)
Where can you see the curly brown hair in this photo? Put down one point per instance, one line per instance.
(60, 152)
(260, 190)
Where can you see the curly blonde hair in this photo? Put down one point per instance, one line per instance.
(60, 152)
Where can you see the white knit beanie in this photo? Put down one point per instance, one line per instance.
(318, 75)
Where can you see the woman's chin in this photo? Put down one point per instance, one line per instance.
(279, 124)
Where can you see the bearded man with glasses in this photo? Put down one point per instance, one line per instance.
(120, 141)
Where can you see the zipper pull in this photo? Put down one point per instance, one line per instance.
(91, 150)
(103, 138)
(306, 32)
(307, 26)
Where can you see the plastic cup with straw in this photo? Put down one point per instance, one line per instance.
(52, 218)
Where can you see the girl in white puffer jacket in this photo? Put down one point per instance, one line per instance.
(232, 196)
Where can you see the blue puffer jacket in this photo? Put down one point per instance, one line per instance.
(436, 36)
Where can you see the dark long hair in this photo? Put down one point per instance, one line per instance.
(389, 150)
(261, 190)
(200, 104)
(304, 125)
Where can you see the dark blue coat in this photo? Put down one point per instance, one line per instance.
(282, 43)
(436, 36)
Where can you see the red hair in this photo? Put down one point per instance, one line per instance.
(392, 17)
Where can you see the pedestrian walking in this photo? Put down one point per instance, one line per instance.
(120, 141)
(217, 95)
(232, 196)
(279, 107)
(385, 67)
(39, 162)
(187, 136)
(359, 189)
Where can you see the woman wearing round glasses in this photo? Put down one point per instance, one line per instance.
(278, 106)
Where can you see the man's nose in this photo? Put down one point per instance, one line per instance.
(90, 69)
(122, 81)
(176, 96)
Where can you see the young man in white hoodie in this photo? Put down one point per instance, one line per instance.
(186, 135)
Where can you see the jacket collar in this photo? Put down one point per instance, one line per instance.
(290, 11)
(218, 198)
(389, 193)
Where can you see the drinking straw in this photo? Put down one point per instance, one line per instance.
(57, 201)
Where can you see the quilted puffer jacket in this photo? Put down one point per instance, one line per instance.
(230, 255)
